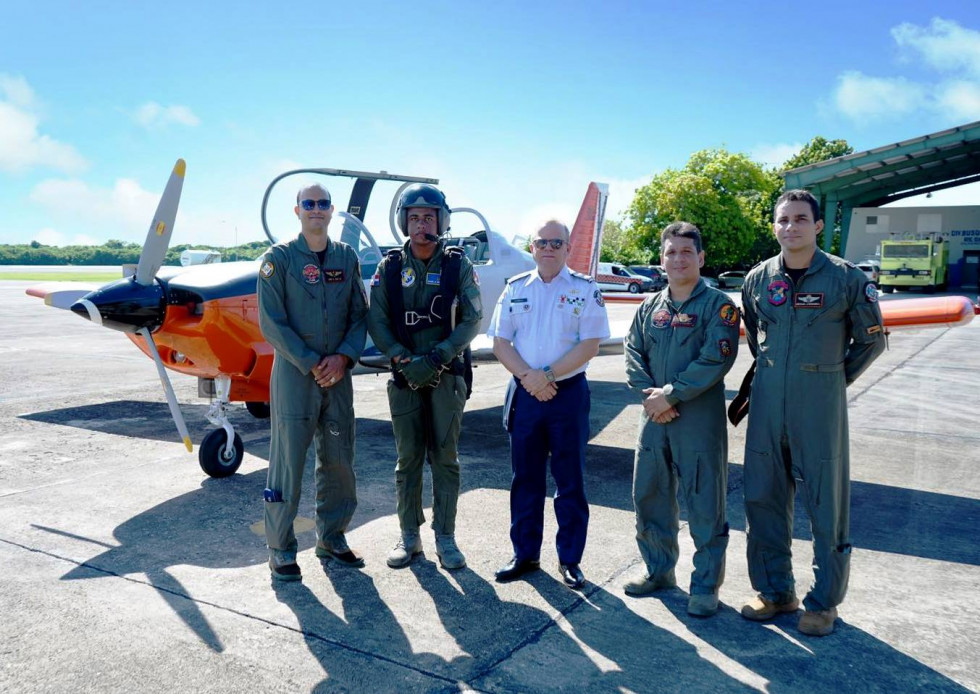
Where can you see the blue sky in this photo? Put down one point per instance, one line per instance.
(515, 106)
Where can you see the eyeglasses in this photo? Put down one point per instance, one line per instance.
(555, 244)
(308, 205)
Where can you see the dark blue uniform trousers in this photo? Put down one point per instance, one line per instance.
(559, 427)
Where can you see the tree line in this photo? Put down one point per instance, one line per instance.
(728, 196)
(113, 252)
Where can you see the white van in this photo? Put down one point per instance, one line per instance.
(613, 277)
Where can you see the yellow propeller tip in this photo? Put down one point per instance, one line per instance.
(188, 445)
(180, 167)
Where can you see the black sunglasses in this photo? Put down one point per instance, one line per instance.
(555, 244)
(323, 204)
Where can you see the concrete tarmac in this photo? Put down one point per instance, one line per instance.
(126, 569)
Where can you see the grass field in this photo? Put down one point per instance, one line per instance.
(48, 276)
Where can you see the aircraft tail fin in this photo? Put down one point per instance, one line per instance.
(586, 238)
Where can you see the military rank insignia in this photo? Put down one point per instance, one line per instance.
(311, 273)
(728, 315)
(267, 270)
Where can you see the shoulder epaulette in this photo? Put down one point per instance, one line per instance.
(581, 276)
(523, 275)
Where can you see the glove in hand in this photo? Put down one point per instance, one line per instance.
(420, 372)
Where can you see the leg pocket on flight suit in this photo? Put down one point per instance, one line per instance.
(708, 497)
(758, 472)
(457, 397)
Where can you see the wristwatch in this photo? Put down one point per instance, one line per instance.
(549, 374)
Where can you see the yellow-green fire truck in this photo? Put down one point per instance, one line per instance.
(914, 263)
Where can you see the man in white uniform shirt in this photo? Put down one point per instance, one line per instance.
(546, 326)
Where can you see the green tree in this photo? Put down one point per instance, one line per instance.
(727, 195)
(619, 247)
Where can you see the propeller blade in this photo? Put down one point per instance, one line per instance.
(158, 237)
(168, 390)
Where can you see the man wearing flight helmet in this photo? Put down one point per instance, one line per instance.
(425, 310)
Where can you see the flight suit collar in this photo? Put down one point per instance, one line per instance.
(816, 263)
(700, 288)
(304, 247)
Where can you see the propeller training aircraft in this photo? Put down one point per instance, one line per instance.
(202, 320)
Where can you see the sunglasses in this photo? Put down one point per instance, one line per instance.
(308, 205)
(555, 244)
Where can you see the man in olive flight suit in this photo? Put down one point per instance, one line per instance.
(312, 310)
(813, 324)
(425, 310)
(682, 343)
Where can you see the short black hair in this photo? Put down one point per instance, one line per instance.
(684, 230)
(799, 195)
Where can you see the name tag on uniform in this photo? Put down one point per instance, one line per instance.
(519, 305)
(432, 278)
(808, 300)
(685, 320)
(333, 275)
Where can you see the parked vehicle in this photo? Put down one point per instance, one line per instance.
(612, 277)
(914, 263)
(710, 281)
(871, 270)
(732, 279)
(654, 272)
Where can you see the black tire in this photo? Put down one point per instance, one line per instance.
(211, 454)
(634, 287)
(259, 410)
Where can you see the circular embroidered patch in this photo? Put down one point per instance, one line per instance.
(597, 295)
(728, 315)
(871, 292)
(311, 273)
(408, 277)
(777, 292)
(267, 270)
(661, 318)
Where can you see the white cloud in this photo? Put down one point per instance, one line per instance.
(775, 154)
(960, 99)
(861, 97)
(22, 147)
(53, 237)
(944, 45)
(153, 115)
(122, 212)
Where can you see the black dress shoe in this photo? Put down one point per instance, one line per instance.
(572, 575)
(516, 568)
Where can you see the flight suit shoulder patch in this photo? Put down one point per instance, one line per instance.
(267, 269)
(725, 347)
(597, 295)
(870, 293)
(728, 315)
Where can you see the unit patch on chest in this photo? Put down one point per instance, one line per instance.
(333, 275)
(408, 277)
(311, 273)
(808, 300)
(661, 318)
(777, 292)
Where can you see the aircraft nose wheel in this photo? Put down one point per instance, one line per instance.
(214, 460)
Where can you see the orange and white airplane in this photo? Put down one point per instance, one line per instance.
(202, 320)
